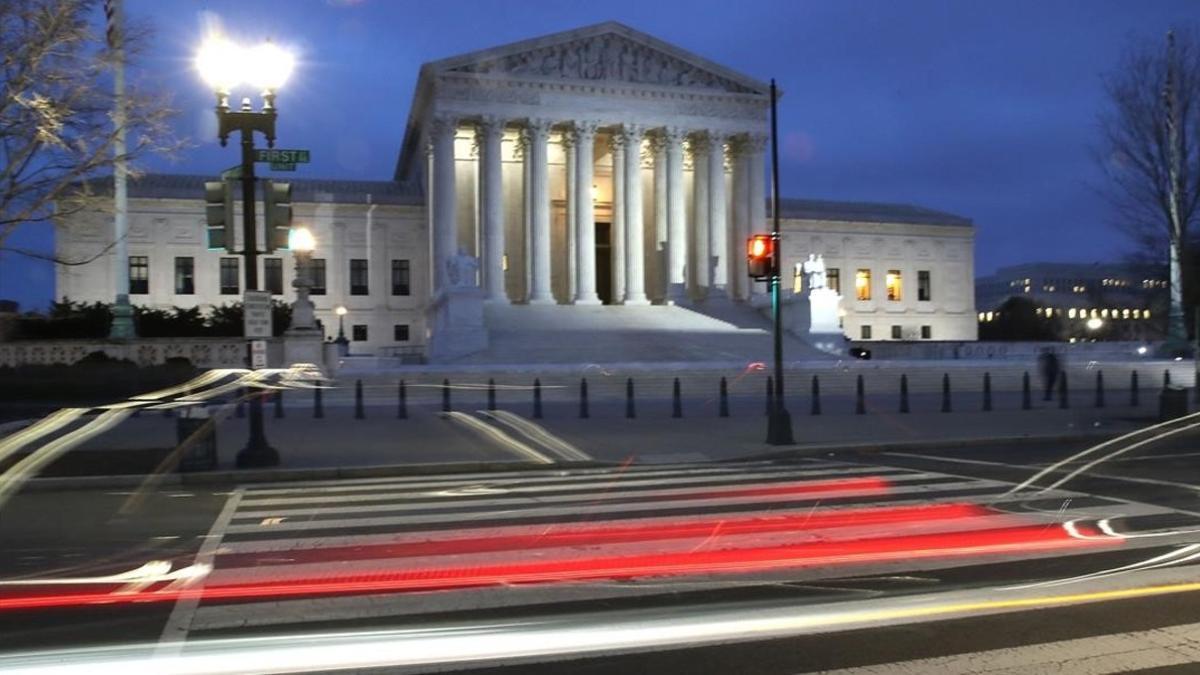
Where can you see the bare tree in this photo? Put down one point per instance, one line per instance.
(56, 123)
(1151, 154)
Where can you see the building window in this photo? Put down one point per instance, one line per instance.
(229, 276)
(893, 284)
(926, 332)
(833, 280)
(317, 272)
(358, 277)
(139, 274)
(358, 332)
(400, 332)
(797, 279)
(924, 286)
(862, 284)
(185, 275)
(896, 333)
(400, 277)
(273, 275)
(864, 332)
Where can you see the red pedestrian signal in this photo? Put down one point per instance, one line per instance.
(760, 256)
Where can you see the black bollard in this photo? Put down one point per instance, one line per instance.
(770, 395)
(676, 402)
(903, 393)
(240, 409)
(816, 395)
(537, 399)
(860, 397)
(1063, 398)
(1026, 394)
(583, 399)
(278, 404)
(723, 406)
(629, 411)
(987, 392)
(445, 394)
(401, 401)
(359, 413)
(318, 406)
(1134, 393)
(1099, 388)
(945, 392)
(491, 404)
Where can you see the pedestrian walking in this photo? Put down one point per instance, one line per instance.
(1049, 367)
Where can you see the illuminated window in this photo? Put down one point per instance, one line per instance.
(1137, 313)
(862, 284)
(1071, 313)
(981, 316)
(1104, 313)
(1124, 314)
(797, 279)
(893, 284)
(1145, 314)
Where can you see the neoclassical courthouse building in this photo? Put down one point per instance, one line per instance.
(598, 166)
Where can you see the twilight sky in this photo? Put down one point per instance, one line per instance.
(984, 109)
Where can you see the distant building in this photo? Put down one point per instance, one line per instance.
(1132, 298)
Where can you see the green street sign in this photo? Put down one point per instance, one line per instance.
(232, 172)
(283, 166)
(281, 156)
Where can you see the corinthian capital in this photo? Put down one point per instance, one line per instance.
(538, 129)
(585, 130)
(756, 143)
(489, 127)
(442, 124)
(674, 136)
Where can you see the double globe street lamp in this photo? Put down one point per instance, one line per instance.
(225, 66)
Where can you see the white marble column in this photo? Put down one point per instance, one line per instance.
(445, 223)
(718, 250)
(585, 214)
(617, 235)
(489, 135)
(658, 149)
(570, 174)
(741, 219)
(676, 216)
(539, 198)
(699, 258)
(635, 250)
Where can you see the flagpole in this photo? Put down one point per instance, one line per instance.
(122, 327)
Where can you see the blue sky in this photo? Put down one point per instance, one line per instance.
(984, 109)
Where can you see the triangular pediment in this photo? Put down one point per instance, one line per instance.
(609, 52)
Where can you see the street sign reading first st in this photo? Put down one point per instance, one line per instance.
(281, 156)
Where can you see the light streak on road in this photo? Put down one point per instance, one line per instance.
(1121, 451)
(43, 427)
(202, 380)
(1097, 448)
(497, 436)
(538, 434)
(1165, 560)
(30, 465)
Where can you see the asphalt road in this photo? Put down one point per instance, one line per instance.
(272, 532)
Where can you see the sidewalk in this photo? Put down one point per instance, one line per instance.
(427, 437)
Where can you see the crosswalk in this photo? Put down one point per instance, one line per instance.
(406, 548)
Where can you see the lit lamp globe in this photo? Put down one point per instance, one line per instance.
(301, 240)
(1095, 323)
(341, 311)
(268, 66)
(220, 63)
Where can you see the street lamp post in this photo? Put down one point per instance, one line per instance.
(343, 345)
(224, 66)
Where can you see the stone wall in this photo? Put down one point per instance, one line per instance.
(955, 349)
(201, 352)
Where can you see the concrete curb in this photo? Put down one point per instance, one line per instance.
(252, 476)
(808, 450)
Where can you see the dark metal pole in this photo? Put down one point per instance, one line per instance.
(257, 451)
(779, 425)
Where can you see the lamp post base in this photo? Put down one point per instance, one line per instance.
(779, 428)
(122, 327)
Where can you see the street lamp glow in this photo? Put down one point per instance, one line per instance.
(220, 63)
(1095, 323)
(1142, 350)
(301, 239)
(341, 311)
(268, 66)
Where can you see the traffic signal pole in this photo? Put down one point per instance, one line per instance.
(779, 423)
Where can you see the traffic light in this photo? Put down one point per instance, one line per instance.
(277, 198)
(760, 256)
(218, 214)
